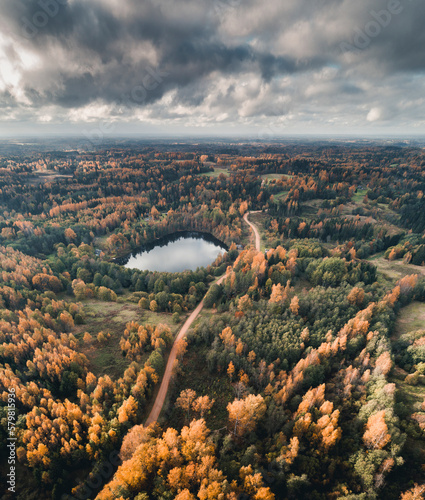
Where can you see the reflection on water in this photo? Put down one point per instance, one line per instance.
(176, 253)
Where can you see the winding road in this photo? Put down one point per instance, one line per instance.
(254, 229)
(162, 393)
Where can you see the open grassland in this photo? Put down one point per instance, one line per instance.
(394, 270)
(410, 318)
(359, 195)
(216, 173)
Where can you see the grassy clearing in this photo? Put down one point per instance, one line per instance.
(280, 196)
(270, 177)
(42, 177)
(310, 209)
(375, 213)
(100, 241)
(396, 269)
(376, 256)
(359, 195)
(216, 173)
(413, 395)
(348, 208)
(112, 317)
(273, 177)
(410, 318)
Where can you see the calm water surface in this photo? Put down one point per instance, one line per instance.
(176, 253)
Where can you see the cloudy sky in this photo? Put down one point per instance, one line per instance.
(212, 67)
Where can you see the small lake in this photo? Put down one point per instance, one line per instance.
(177, 252)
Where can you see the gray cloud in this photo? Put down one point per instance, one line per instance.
(240, 62)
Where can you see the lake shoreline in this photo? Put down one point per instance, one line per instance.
(171, 238)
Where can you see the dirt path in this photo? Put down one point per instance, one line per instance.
(160, 398)
(254, 229)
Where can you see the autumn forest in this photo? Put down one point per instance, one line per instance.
(291, 367)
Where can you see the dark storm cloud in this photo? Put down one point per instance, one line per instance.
(238, 58)
(187, 50)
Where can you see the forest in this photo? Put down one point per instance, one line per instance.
(303, 376)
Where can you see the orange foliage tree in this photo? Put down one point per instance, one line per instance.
(245, 413)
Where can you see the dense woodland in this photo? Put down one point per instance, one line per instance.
(304, 375)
